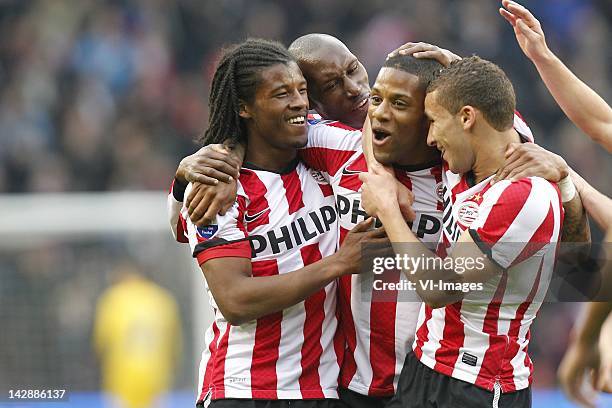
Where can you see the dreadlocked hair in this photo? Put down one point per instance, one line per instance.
(235, 79)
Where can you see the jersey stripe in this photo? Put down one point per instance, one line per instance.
(437, 173)
(207, 362)
(349, 365)
(325, 159)
(452, 340)
(340, 125)
(219, 365)
(403, 178)
(312, 350)
(351, 181)
(382, 322)
(339, 337)
(241, 211)
(499, 222)
(327, 190)
(181, 227)
(267, 339)
(422, 334)
(256, 190)
(517, 323)
(293, 191)
(497, 344)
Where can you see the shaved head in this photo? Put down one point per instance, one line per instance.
(338, 87)
(307, 47)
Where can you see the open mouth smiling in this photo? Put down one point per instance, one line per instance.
(297, 120)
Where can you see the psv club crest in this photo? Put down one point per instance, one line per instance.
(467, 213)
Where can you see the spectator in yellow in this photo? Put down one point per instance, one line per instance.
(137, 335)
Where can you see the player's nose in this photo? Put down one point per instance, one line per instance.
(352, 87)
(431, 141)
(298, 100)
(380, 112)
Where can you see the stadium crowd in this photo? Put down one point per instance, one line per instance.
(109, 95)
(103, 96)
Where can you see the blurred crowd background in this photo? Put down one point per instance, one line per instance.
(109, 95)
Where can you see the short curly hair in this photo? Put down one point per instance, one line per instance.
(424, 69)
(479, 83)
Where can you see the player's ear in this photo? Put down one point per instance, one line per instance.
(243, 110)
(467, 115)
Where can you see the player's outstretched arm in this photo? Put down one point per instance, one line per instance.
(242, 297)
(580, 103)
(530, 159)
(596, 204)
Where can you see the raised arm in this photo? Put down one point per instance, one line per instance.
(530, 159)
(597, 205)
(580, 103)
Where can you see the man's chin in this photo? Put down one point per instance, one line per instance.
(457, 169)
(383, 158)
(300, 143)
(356, 121)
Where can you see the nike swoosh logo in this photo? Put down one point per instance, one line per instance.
(348, 172)
(252, 217)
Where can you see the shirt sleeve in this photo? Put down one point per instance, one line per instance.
(517, 219)
(522, 128)
(330, 146)
(227, 237)
(174, 205)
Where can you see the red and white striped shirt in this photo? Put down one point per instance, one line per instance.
(483, 339)
(378, 333)
(283, 222)
(378, 326)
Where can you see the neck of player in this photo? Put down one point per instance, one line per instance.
(268, 157)
(489, 146)
(420, 156)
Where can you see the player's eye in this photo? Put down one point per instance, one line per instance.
(331, 85)
(399, 103)
(353, 68)
(375, 100)
(281, 94)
